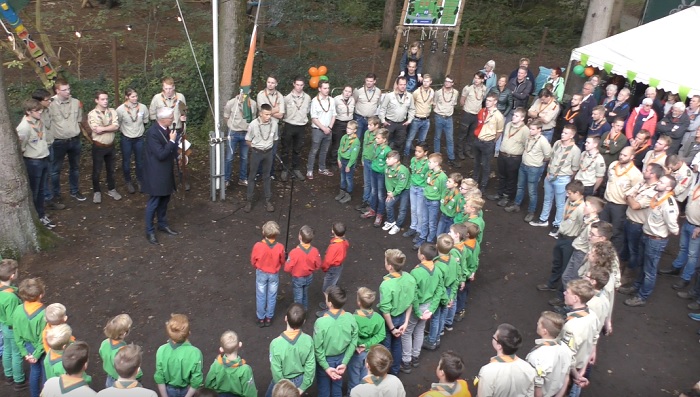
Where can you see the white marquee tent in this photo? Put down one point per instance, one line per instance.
(656, 53)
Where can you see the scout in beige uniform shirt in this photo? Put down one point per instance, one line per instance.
(621, 178)
(67, 386)
(642, 194)
(445, 101)
(684, 178)
(65, 115)
(662, 217)
(272, 97)
(579, 334)
(493, 125)
(514, 138)
(473, 97)
(397, 107)
(233, 114)
(132, 119)
(552, 362)
(546, 111)
(297, 106)
(565, 160)
(572, 222)
(537, 149)
(32, 138)
(654, 157)
(237, 127)
(592, 167)
(104, 123)
(506, 376)
(173, 101)
(367, 98)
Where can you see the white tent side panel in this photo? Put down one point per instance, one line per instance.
(664, 49)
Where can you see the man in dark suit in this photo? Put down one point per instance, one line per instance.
(159, 180)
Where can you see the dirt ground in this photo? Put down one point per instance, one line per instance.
(105, 267)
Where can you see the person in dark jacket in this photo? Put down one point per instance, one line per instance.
(674, 124)
(521, 87)
(159, 180)
(619, 108)
(504, 104)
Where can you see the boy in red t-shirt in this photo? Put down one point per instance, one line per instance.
(267, 258)
(302, 263)
(333, 261)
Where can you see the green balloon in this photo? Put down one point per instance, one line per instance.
(323, 78)
(579, 69)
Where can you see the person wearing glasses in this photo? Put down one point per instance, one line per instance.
(506, 374)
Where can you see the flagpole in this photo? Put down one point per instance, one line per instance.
(218, 181)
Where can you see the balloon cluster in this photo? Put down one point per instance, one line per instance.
(317, 74)
(580, 70)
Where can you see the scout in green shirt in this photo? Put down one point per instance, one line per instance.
(229, 373)
(396, 180)
(419, 172)
(436, 184)
(28, 320)
(58, 338)
(348, 151)
(419, 166)
(371, 332)
(396, 294)
(178, 363)
(452, 200)
(381, 150)
(335, 340)
(468, 188)
(448, 262)
(292, 353)
(116, 330)
(475, 215)
(368, 143)
(12, 360)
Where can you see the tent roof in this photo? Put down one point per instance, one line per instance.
(649, 53)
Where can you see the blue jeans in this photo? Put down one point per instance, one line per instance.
(549, 134)
(366, 180)
(394, 344)
(11, 357)
(361, 126)
(418, 127)
(688, 252)
(300, 286)
(462, 295)
(63, 147)
(129, 146)
(418, 209)
(633, 236)
(444, 124)
(37, 377)
(236, 140)
(322, 141)
(652, 250)
(331, 277)
(296, 380)
(346, 177)
(554, 189)
(37, 170)
(437, 322)
(356, 369)
(530, 177)
(377, 200)
(430, 224)
(402, 198)
(48, 192)
(444, 224)
(326, 387)
(265, 293)
(176, 391)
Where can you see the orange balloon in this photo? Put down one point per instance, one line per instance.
(313, 71)
(322, 70)
(589, 71)
(313, 82)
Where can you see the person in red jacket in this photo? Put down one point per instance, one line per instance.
(333, 261)
(302, 262)
(642, 118)
(267, 258)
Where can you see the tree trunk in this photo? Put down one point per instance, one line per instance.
(618, 6)
(232, 22)
(597, 21)
(18, 231)
(389, 25)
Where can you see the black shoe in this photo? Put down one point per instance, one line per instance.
(406, 368)
(680, 284)
(494, 197)
(503, 202)
(53, 205)
(78, 196)
(20, 386)
(670, 271)
(168, 230)
(151, 237)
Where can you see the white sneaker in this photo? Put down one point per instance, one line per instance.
(114, 194)
(97, 198)
(388, 225)
(394, 229)
(47, 222)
